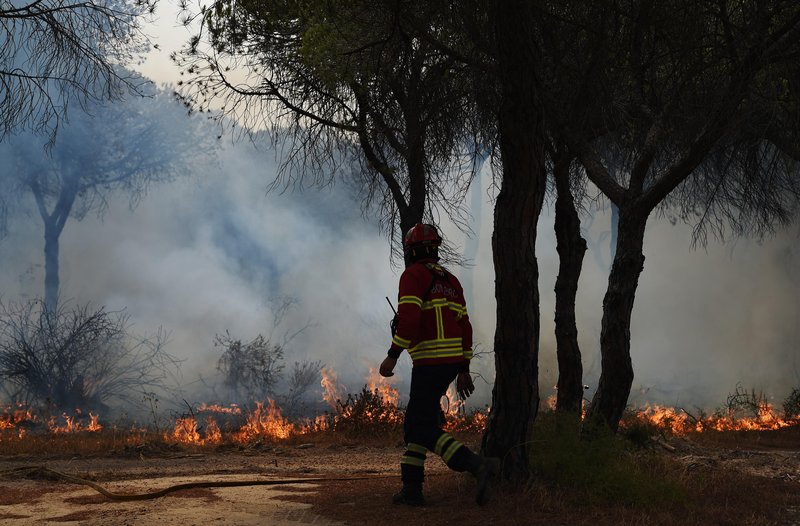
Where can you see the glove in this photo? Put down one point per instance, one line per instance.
(464, 385)
(387, 366)
(393, 324)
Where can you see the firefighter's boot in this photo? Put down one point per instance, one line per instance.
(410, 495)
(485, 470)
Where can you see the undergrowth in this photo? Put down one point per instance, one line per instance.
(605, 469)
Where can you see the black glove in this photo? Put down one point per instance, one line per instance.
(393, 324)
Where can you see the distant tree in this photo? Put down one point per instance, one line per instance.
(115, 148)
(78, 357)
(302, 376)
(250, 370)
(55, 53)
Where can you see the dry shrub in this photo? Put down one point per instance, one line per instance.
(791, 406)
(367, 414)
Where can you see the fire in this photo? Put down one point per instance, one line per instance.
(267, 422)
(332, 392)
(680, 422)
(73, 424)
(456, 416)
(233, 409)
(452, 405)
(187, 433)
(382, 386)
(10, 419)
(374, 410)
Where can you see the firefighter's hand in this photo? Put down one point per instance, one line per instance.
(387, 366)
(464, 385)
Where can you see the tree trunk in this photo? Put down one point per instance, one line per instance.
(571, 248)
(53, 226)
(51, 279)
(616, 377)
(515, 397)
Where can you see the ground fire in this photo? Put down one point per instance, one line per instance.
(377, 404)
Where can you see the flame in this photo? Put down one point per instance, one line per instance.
(382, 386)
(12, 419)
(94, 424)
(376, 404)
(186, 432)
(233, 409)
(332, 392)
(73, 424)
(265, 422)
(456, 416)
(679, 422)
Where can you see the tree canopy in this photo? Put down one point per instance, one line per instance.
(117, 148)
(55, 53)
(338, 83)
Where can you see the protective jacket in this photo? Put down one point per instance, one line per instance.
(433, 322)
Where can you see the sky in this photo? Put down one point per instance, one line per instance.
(212, 252)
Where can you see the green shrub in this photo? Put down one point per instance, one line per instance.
(604, 469)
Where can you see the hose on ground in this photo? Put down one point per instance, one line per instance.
(45, 472)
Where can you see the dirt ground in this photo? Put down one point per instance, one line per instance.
(27, 500)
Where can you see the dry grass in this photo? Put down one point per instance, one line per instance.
(618, 482)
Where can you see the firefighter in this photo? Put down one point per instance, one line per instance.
(432, 323)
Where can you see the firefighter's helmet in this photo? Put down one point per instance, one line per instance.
(422, 235)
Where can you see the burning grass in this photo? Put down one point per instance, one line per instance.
(372, 413)
(623, 479)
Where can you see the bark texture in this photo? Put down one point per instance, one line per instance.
(515, 397)
(571, 248)
(616, 377)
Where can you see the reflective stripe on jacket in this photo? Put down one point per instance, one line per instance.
(433, 322)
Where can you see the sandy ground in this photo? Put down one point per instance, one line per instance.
(34, 501)
(37, 501)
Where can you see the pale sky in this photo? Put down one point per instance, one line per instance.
(169, 34)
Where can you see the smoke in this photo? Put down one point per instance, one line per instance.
(215, 252)
(704, 320)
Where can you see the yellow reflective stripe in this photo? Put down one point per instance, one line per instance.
(468, 354)
(442, 342)
(413, 461)
(413, 300)
(455, 446)
(459, 309)
(441, 302)
(439, 324)
(437, 353)
(401, 342)
(432, 304)
(416, 448)
(440, 443)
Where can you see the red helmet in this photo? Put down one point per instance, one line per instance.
(422, 234)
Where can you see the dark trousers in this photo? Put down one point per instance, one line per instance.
(423, 424)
